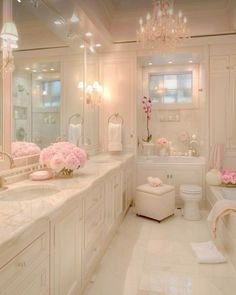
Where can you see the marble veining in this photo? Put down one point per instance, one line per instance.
(17, 216)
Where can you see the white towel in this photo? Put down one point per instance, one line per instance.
(114, 137)
(207, 252)
(75, 134)
(219, 210)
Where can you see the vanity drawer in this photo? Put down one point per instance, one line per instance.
(94, 223)
(95, 197)
(25, 261)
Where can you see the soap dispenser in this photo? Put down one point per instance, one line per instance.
(194, 146)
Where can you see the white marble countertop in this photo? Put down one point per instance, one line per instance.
(17, 216)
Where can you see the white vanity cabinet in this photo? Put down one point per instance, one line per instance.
(174, 174)
(66, 250)
(24, 265)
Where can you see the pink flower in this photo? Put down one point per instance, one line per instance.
(24, 148)
(63, 155)
(72, 162)
(57, 162)
(45, 156)
(162, 141)
(233, 178)
(81, 154)
(226, 178)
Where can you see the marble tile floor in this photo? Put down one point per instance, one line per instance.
(151, 258)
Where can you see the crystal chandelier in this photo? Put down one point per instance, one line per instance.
(162, 30)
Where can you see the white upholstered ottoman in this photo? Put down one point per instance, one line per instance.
(155, 202)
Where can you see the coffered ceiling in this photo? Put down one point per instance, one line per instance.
(204, 16)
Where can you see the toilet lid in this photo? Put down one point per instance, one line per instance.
(190, 188)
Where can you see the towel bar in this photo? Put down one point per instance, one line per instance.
(77, 115)
(117, 116)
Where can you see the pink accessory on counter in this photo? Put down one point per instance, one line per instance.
(154, 181)
(41, 175)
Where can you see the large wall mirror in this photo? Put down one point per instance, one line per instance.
(55, 89)
(1, 86)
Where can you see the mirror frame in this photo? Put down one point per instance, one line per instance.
(6, 93)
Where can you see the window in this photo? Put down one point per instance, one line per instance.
(171, 88)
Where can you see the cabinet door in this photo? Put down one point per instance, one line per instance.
(68, 233)
(109, 206)
(231, 130)
(219, 99)
(155, 170)
(118, 196)
(219, 63)
(37, 283)
(129, 186)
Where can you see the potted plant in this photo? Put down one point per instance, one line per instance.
(163, 144)
(147, 108)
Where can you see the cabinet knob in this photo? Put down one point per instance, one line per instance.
(21, 264)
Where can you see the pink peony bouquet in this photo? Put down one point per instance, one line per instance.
(63, 157)
(162, 141)
(228, 177)
(24, 148)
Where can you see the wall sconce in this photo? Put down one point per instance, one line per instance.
(9, 36)
(93, 92)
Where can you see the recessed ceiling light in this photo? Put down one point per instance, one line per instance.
(170, 62)
(52, 69)
(88, 34)
(150, 63)
(74, 18)
(190, 61)
(34, 71)
(82, 46)
(27, 68)
(40, 78)
(98, 45)
(19, 1)
(44, 70)
(58, 22)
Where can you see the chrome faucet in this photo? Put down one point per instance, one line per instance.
(10, 158)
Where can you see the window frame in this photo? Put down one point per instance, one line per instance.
(168, 70)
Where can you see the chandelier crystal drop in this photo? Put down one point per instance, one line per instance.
(163, 29)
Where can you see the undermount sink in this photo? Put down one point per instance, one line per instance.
(30, 192)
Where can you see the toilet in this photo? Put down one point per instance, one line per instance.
(191, 195)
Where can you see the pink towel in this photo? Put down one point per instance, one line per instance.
(220, 209)
(216, 157)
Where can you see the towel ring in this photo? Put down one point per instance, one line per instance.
(116, 116)
(77, 115)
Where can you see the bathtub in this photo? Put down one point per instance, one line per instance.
(227, 225)
(220, 193)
